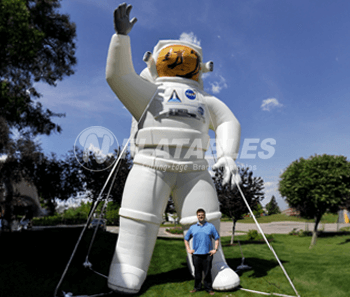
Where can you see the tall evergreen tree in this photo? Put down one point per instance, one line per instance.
(272, 206)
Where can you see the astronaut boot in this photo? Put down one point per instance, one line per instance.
(132, 256)
(224, 278)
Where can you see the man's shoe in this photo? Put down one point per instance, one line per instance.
(211, 292)
(193, 291)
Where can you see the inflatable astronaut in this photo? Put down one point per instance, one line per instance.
(173, 115)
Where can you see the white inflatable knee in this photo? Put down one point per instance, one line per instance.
(133, 253)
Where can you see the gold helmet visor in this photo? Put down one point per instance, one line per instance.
(178, 60)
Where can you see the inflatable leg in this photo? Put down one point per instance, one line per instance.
(132, 256)
(144, 200)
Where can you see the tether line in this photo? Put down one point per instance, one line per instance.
(100, 198)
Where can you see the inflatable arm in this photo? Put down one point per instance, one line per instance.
(228, 132)
(132, 90)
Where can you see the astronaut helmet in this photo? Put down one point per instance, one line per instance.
(177, 58)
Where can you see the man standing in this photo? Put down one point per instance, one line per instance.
(202, 252)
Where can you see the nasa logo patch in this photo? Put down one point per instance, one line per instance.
(201, 111)
(190, 94)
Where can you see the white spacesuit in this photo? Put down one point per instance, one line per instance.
(173, 115)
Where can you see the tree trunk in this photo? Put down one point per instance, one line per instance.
(233, 230)
(314, 232)
(166, 216)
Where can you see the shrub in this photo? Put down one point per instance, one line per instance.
(252, 235)
(300, 233)
(48, 221)
(112, 217)
(303, 233)
(79, 215)
(176, 230)
(293, 232)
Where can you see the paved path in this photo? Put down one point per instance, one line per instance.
(281, 227)
(268, 228)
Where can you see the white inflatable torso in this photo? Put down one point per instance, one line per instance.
(176, 125)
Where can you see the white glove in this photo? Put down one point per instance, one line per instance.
(231, 172)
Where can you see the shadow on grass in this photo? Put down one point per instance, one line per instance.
(346, 241)
(331, 234)
(179, 275)
(32, 262)
(247, 242)
(260, 267)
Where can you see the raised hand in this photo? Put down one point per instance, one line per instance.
(122, 23)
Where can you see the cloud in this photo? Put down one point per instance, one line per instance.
(217, 86)
(270, 103)
(190, 37)
(205, 75)
(72, 202)
(270, 187)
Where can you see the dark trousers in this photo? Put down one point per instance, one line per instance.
(202, 265)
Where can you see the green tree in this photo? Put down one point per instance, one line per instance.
(79, 179)
(112, 213)
(76, 215)
(231, 202)
(258, 210)
(347, 202)
(27, 163)
(316, 185)
(16, 170)
(50, 179)
(37, 45)
(272, 206)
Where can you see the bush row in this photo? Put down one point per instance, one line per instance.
(176, 230)
(61, 220)
(253, 235)
(79, 215)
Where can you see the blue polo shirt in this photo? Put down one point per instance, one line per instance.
(202, 236)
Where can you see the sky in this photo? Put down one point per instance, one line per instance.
(282, 67)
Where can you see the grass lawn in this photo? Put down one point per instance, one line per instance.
(31, 264)
(326, 218)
